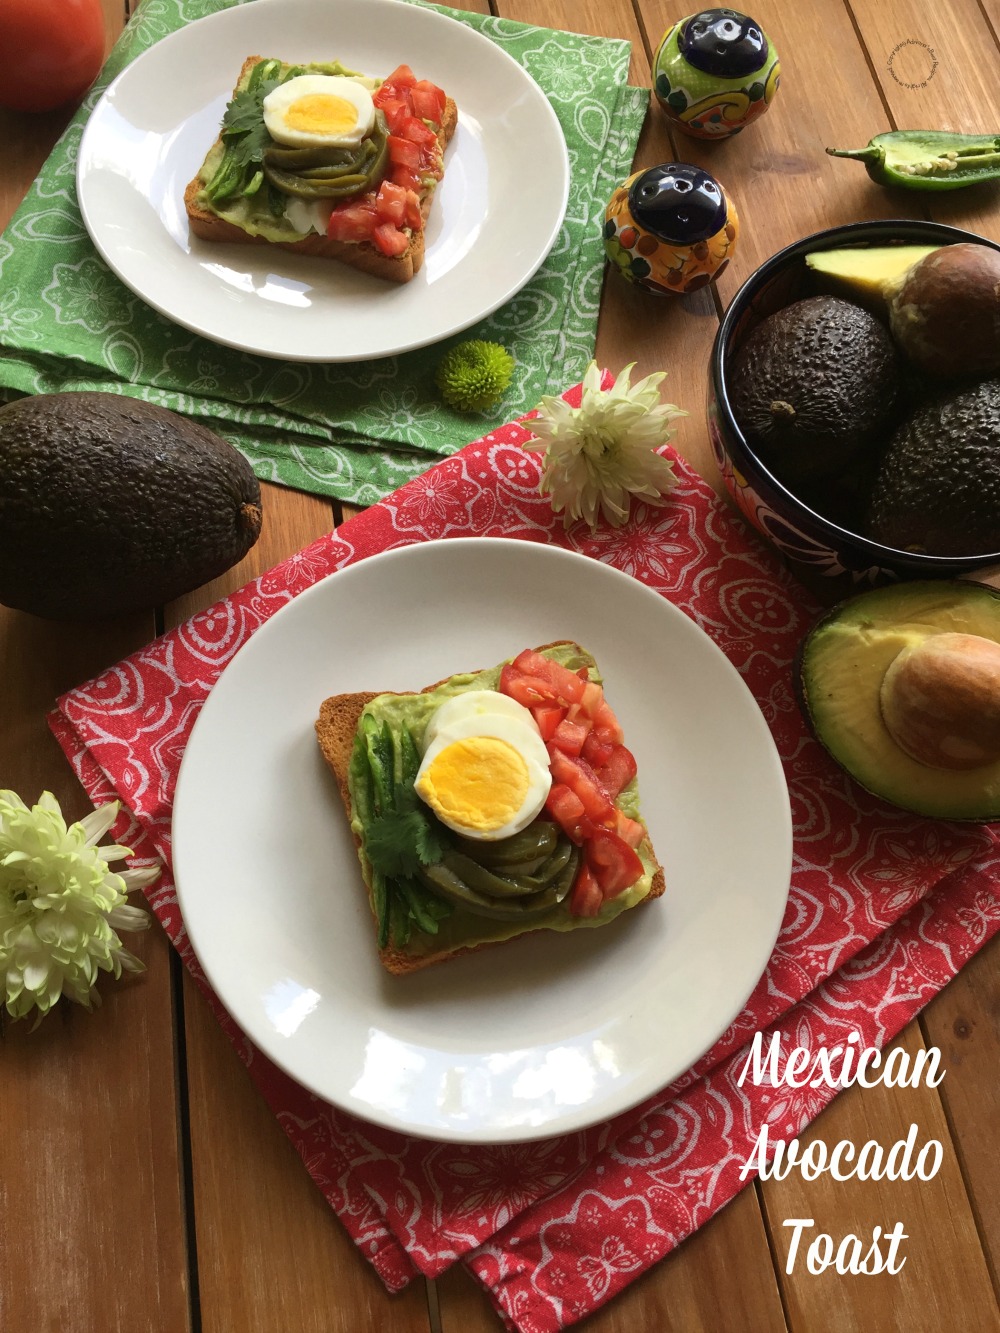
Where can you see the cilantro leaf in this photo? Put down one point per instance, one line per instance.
(398, 842)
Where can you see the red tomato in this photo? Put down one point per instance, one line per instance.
(569, 737)
(403, 152)
(428, 100)
(53, 51)
(617, 771)
(353, 221)
(566, 809)
(586, 898)
(389, 240)
(581, 779)
(612, 862)
(390, 203)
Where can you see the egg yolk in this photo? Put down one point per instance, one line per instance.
(321, 113)
(479, 783)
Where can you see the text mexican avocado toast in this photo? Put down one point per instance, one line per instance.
(323, 161)
(489, 805)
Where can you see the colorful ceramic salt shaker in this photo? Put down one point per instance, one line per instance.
(715, 72)
(671, 228)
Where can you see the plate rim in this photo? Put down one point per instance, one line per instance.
(306, 356)
(563, 1124)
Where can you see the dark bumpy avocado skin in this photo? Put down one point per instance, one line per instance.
(813, 384)
(842, 664)
(938, 486)
(110, 505)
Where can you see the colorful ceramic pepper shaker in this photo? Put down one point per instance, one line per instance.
(715, 72)
(671, 228)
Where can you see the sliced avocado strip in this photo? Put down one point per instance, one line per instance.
(843, 665)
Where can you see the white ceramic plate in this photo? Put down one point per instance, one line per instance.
(495, 216)
(540, 1035)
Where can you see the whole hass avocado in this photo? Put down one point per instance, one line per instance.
(902, 687)
(937, 489)
(814, 384)
(109, 505)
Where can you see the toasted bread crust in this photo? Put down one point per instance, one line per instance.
(208, 226)
(335, 730)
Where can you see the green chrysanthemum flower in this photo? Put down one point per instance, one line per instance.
(473, 376)
(60, 905)
(598, 455)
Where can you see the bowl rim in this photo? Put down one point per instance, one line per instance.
(882, 228)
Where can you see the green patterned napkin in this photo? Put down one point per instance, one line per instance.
(356, 431)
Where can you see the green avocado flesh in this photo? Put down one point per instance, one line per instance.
(462, 929)
(844, 661)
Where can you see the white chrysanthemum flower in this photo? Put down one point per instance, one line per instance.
(600, 454)
(60, 905)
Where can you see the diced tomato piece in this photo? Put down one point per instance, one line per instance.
(569, 737)
(389, 240)
(629, 830)
(597, 752)
(617, 771)
(566, 808)
(564, 684)
(527, 690)
(408, 177)
(606, 724)
(401, 77)
(412, 215)
(414, 129)
(354, 221)
(395, 109)
(547, 718)
(390, 203)
(613, 863)
(403, 152)
(581, 779)
(586, 898)
(428, 100)
(592, 698)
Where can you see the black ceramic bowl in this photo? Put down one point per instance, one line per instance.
(799, 533)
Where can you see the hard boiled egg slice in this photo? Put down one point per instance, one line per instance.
(483, 777)
(479, 704)
(325, 110)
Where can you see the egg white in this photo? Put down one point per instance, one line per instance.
(284, 112)
(479, 704)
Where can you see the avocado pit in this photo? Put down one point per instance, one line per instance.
(940, 700)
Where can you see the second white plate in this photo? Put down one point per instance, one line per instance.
(495, 216)
(538, 1036)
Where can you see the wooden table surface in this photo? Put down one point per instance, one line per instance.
(143, 1183)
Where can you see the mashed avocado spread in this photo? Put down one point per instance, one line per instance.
(463, 928)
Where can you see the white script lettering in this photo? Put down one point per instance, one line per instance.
(840, 1066)
(848, 1257)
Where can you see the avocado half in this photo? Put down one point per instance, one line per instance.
(842, 686)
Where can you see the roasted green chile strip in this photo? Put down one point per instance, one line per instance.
(928, 159)
(522, 852)
(337, 177)
(444, 881)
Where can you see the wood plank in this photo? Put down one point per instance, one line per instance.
(937, 69)
(964, 1023)
(90, 1180)
(944, 1281)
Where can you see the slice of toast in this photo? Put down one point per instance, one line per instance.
(336, 728)
(209, 226)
